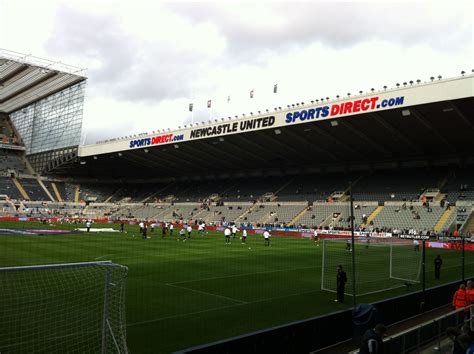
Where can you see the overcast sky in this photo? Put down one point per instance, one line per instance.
(146, 61)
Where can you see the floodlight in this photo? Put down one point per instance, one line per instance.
(277, 131)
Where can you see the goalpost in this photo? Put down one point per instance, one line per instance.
(63, 308)
(381, 264)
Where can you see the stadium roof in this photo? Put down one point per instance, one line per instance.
(25, 79)
(427, 122)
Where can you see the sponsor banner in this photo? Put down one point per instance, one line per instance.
(415, 237)
(156, 140)
(344, 108)
(450, 245)
(12, 147)
(232, 127)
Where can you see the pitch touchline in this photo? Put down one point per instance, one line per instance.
(240, 275)
(206, 293)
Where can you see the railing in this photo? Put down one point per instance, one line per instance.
(431, 333)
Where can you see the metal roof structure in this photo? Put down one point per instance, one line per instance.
(25, 79)
(434, 133)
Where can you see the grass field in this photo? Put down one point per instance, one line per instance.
(182, 294)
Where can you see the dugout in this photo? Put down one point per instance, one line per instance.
(323, 331)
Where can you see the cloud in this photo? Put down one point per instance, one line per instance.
(277, 26)
(147, 63)
(127, 66)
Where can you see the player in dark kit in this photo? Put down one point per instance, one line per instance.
(438, 262)
(341, 280)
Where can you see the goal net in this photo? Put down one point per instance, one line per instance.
(380, 264)
(63, 308)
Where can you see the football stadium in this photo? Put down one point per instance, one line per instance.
(225, 236)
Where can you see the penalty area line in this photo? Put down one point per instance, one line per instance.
(206, 293)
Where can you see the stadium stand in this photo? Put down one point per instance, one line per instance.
(33, 189)
(313, 187)
(412, 216)
(397, 185)
(229, 213)
(460, 185)
(8, 188)
(97, 193)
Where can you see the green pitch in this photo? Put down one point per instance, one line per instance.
(187, 293)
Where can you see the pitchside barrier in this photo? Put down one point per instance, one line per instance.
(323, 331)
(63, 308)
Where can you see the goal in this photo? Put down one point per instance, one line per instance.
(63, 308)
(380, 264)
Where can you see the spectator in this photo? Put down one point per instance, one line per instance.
(470, 292)
(453, 334)
(372, 340)
(460, 299)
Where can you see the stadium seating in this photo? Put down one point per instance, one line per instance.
(225, 213)
(8, 188)
(33, 189)
(97, 192)
(272, 213)
(460, 185)
(396, 185)
(401, 217)
(323, 214)
(313, 187)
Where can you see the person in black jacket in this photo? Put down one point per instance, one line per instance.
(341, 280)
(372, 342)
(438, 262)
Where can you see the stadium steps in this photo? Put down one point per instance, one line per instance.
(56, 192)
(297, 217)
(249, 210)
(77, 191)
(20, 189)
(373, 215)
(442, 220)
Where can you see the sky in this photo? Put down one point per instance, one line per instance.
(146, 61)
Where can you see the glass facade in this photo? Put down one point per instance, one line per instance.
(52, 123)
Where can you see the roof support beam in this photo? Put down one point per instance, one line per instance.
(313, 145)
(365, 138)
(387, 126)
(431, 129)
(461, 114)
